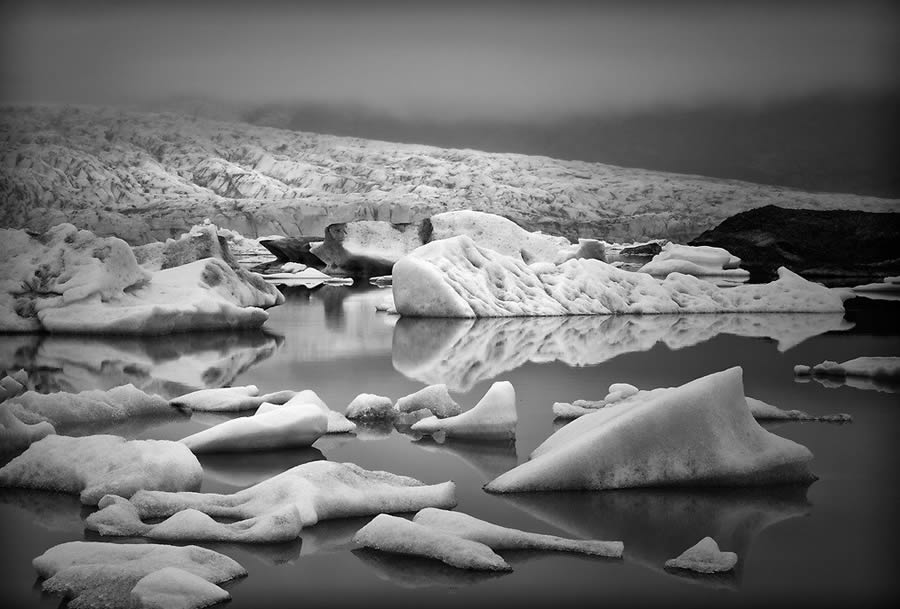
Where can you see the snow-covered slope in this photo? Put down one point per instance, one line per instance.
(149, 176)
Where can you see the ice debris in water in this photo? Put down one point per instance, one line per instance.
(337, 422)
(97, 575)
(704, 557)
(494, 417)
(279, 427)
(709, 438)
(274, 510)
(433, 398)
(94, 466)
(229, 399)
(63, 408)
(368, 406)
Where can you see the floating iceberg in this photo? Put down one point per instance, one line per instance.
(337, 422)
(274, 510)
(457, 278)
(229, 399)
(497, 537)
(701, 433)
(72, 281)
(98, 465)
(465, 352)
(368, 406)
(697, 260)
(493, 417)
(887, 289)
(279, 427)
(434, 398)
(95, 575)
(704, 557)
(876, 373)
(398, 535)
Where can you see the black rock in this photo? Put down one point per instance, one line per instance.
(835, 243)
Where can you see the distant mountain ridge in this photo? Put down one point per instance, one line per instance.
(146, 176)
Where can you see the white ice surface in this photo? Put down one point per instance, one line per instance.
(704, 557)
(63, 408)
(434, 398)
(368, 406)
(494, 417)
(94, 466)
(457, 278)
(99, 575)
(274, 510)
(701, 433)
(275, 428)
(175, 588)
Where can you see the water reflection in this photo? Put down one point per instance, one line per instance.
(168, 365)
(882, 384)
(657, 525)
(488, 458)
(59, 512)
(242, 470)
(464, 352)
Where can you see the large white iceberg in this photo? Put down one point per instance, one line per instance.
(457, 278)
(697, 260)
(701, 433)
(493, 417)
(274, 510)
(465, 352)
(72, 281)
(95, 575)
(393, 534)
(274, 428)
(94, 466)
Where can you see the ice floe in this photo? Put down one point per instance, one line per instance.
(887, 289)
(493, 417)
(94, 466)
(457, 278)
(95, 575)
(875, 373)
(701, 433)
(279, 427)
(274, 510)
(368, 406)
(337, 422)
(398, 535)
(465, 352)
(498, 537)
(433, 398)
(229, 399)
(72, 281)
(704, 557)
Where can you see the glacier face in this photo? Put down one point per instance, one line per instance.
(145, 177)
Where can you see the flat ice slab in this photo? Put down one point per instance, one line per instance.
(94, 466)
(95, 575)
(457, 278)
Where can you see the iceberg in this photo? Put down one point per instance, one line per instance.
(275, 428)
(368, 406)
(457, 278)
(498, 537)
(465, 352)
(229, 399)
(337, 422)
(95, 575)
(701, 433)
(274, 510)
(94, 466)
(704, 557)
(398, 535)
(493, 417)
(434, 398)
(697, 260)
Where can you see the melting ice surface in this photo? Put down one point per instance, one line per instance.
(332, 341)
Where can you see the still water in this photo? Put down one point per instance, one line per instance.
(831, 543)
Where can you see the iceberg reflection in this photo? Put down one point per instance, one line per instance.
(464, 352)
(657, 525)
(417, 572)
(168, 365)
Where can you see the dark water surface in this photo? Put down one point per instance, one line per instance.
(832, 543)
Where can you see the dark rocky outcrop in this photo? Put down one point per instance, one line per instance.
(814, 243)
(294, 249)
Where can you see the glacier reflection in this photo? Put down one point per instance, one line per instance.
(168, 365)
(464, 352)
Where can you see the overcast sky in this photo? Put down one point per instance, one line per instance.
(451, 59)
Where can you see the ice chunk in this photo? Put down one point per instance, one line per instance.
(393, 534)
(229, 399)
(64, 409)
(493, 417)
(174, 588)
(98, 465)
(457, 278)
(14, 434)
(699, 261)
(764, 411)
(869, 367)
(102, 575)
(704, 557)
(701, 433)
(274, 510)
(369, 406)
(277, 428)
(434, 398)
(337, 422)
(497, 537)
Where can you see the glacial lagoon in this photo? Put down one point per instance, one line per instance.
(829, 543)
